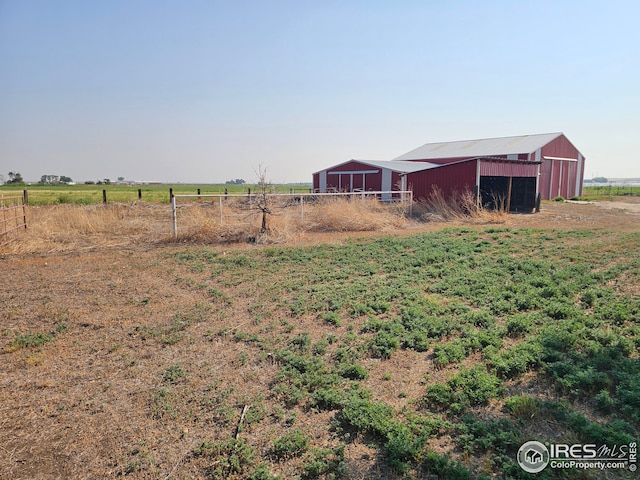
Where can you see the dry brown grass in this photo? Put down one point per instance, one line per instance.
(59, 228)
(67, 227)
(459, 207)
(341, 215)
(286, 222)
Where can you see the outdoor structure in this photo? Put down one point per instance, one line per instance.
(518, 170)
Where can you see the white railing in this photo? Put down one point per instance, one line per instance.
(299, 199)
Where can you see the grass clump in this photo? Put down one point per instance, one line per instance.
(34, 340)
(291, 444)
(227, 459)
(469, 388)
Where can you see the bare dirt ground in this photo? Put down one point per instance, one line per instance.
(95, 401)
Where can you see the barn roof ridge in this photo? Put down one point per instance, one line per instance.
(482, 147)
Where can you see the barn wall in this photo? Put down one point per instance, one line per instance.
(560, 147)
(395, 181)
(561, 177)
(449, 179)
(350, 166)
(507, 169)
(372, 181)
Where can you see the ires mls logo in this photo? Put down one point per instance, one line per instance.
(533, 457)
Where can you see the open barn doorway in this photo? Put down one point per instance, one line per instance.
(514, 194)
(352, 181)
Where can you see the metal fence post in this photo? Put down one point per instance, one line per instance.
(175, 217)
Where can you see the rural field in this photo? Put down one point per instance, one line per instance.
(349, 343)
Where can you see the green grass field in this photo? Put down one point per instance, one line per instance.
(532, 335)
(608, 192)
(92, 194)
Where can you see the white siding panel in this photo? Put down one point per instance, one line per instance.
(386, 184)
(323, 181)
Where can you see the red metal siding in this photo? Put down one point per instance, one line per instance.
(490, 168)
(449, 179)
(351, 166)
(572, 170)
(395, 181)
(558, 178)
(560, 147)
(316, 182)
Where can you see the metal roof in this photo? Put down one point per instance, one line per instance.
(396, 166)
(480, 148)
(400, 166)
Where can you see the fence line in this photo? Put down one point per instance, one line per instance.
(384, 196)
(13, 217)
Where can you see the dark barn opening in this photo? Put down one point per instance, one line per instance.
(515, 194)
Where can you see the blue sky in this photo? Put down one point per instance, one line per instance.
(207, 91)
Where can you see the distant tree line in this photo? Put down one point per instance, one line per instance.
(237, 181)
(55, 179)
(597, 180)
(15, 178)
(104, 181)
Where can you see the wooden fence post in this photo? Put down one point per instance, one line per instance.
(139, 194)
(104, 196)
(25, 197)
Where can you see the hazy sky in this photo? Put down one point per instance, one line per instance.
(207, 91)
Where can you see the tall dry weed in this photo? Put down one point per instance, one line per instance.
(203, 223)
(460, 206)
(287, 222)
(354, 215)
(57, 228)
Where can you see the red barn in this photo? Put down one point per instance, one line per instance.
(518, 169)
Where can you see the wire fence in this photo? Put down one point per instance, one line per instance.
(13, 217)
(249, 209)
